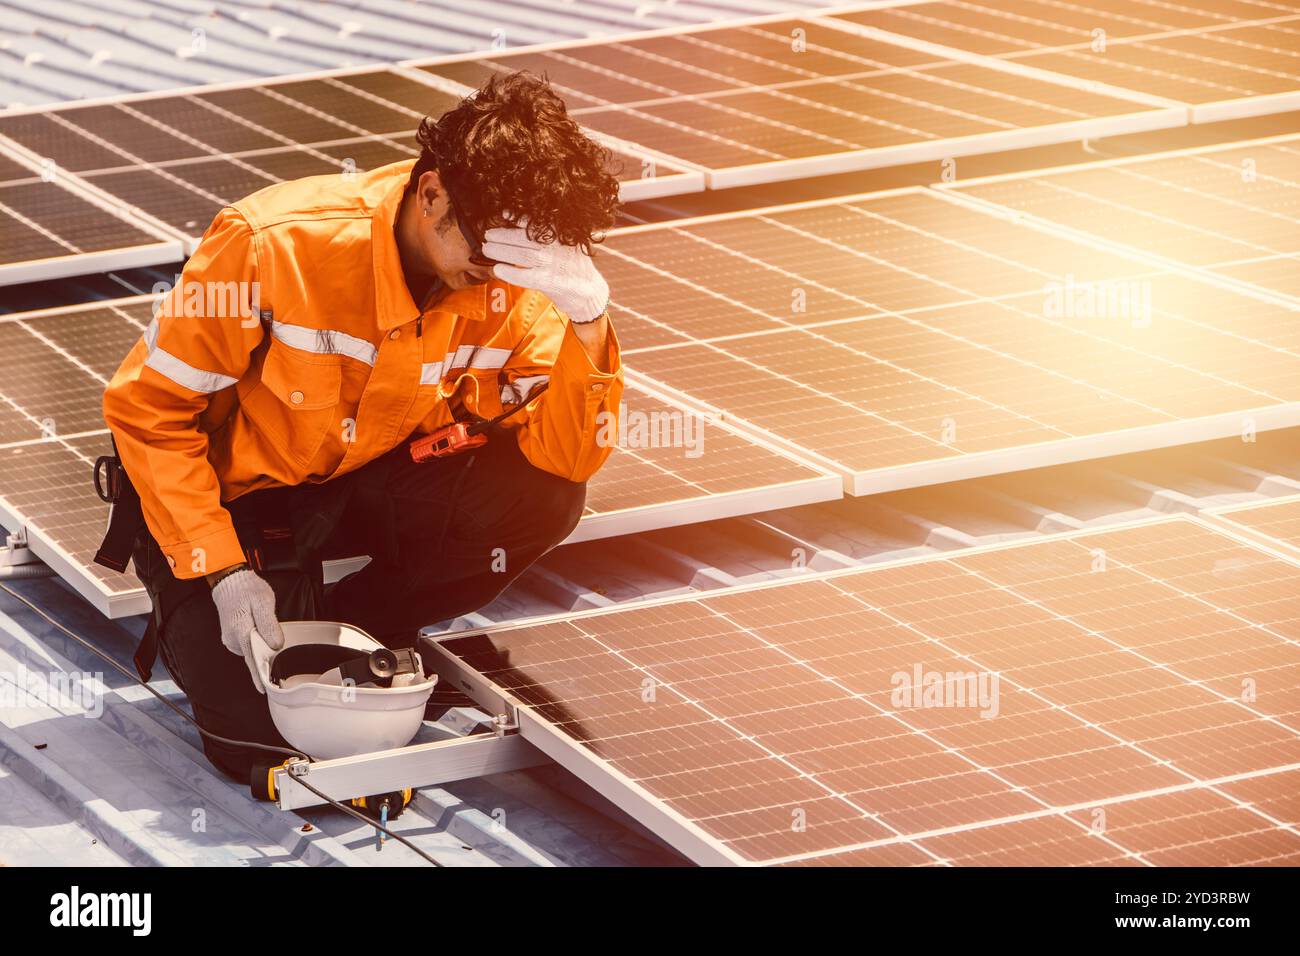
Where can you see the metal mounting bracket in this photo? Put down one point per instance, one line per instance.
(15, 551)
(419, 765)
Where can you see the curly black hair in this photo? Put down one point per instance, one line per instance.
(511, 148)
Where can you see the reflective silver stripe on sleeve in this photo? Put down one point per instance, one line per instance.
(183, 374)
(467, 356)
(516, 391)
(477, 356)
(325, 342)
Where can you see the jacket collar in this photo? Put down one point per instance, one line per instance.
(393, 303)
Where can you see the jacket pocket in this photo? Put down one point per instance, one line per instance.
(295, 402)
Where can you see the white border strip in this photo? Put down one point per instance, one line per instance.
(1135, 159)
(84, 263)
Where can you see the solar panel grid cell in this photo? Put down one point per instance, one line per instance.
(345, 104)
(45, 486)
(417, 98)
(12, 171)
(181, 158)
(994, 27)
(190, 116)
(1235, 211)
(54, 135)
(767, 715)
(1179, 52)
(1277, 520)
(987, 344)
(790, 90)
(68, 407)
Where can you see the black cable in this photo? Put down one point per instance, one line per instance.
(217, 737)
(482, 426)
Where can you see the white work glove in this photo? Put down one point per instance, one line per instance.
(244, 601)
(564, 274)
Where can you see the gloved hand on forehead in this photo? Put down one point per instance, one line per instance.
(564, 274)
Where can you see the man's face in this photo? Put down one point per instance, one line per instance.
(442, 246)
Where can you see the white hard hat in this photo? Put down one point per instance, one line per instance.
(337, 692)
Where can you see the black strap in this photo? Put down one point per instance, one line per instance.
(126, 517)
(146, 652)
(357, 666)
(484, 424)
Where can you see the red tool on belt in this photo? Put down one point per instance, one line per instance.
(461, 436)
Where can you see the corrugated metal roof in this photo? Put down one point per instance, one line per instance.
(55, 50)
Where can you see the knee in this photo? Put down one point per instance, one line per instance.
(553, 507)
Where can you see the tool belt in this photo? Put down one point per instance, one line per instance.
(264, 523)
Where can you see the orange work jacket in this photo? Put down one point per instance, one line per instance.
(291, 351)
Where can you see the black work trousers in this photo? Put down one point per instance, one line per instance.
(445, 538)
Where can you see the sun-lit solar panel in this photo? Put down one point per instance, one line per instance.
(776, 100)
(1274, 522)
(1233, 209)
(1001, 27)
(48, 229)
(177, 159)
(785, 723)
(907, 339)
(1223, 61)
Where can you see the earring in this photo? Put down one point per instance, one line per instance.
(426, 212)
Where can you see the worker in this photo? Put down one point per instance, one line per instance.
(366, 310)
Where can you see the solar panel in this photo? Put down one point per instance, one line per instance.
(669, 466)
(1223, 61)
(176, 159)
(777, 724)
(903, 339)
(1275, 522)
(672, 466)
(998, 27)
(51, 432)
(776, 100)
(1233, 210)
(47, 230)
